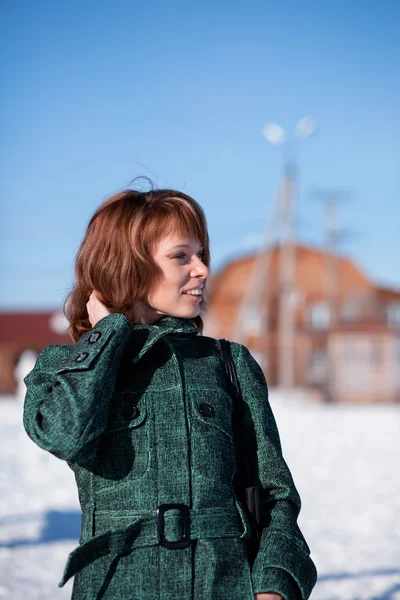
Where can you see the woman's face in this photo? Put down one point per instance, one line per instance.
(180, 259)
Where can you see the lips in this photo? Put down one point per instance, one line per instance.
(197, 291)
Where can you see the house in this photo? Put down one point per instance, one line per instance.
(22, 336)
(345, 337)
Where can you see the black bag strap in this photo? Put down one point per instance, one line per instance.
(251, 491)
(230, 369)
(234, 391)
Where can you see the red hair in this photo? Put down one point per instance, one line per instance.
(115, 256)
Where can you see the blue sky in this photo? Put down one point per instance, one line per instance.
(97, 93)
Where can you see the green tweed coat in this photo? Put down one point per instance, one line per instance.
(143, 417)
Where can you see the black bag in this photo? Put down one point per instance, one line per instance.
(247, 493)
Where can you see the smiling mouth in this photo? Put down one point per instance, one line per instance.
(196, 292)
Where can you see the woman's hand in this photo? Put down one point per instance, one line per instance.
(268, 596)
(96, 309)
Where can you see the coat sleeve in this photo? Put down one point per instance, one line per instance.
(68, 391)
(283, 564)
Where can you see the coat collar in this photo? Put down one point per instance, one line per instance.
(177, 324)
(145, 336)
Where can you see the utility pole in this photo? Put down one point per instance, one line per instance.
(331, 279)
(305, 128)
(287, 277)
(330, 199)
(331, 271)
(254, 313)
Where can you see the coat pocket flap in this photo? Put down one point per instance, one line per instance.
(213, 408)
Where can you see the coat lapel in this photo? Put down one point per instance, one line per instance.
(145, 336)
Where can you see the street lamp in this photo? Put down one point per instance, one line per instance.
(275, 134)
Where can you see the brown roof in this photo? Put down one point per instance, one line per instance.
(309, 260)
(235, 276)
(387, 294)
(34, 329)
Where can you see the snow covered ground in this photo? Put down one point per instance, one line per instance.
(345, 461)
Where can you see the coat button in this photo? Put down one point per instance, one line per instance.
(55, 384)
(206, 410)
(131, 412)
(81, 357)
(94, 337)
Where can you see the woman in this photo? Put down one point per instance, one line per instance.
(138, 407)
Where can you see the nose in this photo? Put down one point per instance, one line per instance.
(199, 269)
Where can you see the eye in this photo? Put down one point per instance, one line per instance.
(201, 255)
(180, 256)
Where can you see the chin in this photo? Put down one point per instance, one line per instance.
(187, 314)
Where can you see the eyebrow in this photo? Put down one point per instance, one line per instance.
(183, 246)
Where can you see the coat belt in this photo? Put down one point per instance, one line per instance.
(205, 523)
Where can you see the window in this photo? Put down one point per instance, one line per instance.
(397, 363)
(364, 350)
(393, 313)
(319, 315)
(318, 366)
(252, 321)
(377, 354)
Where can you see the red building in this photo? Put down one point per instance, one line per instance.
(346, 329)
(26, 331)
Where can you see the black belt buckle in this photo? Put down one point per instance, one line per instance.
(185, 541)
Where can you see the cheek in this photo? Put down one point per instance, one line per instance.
(172, 279)
(162, 291)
